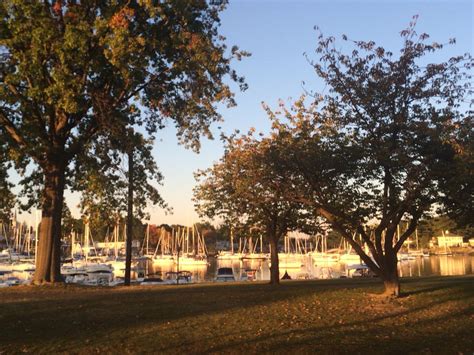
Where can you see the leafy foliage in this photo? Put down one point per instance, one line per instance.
(250, 192)
(7, 198)
(103, 180)
(457, 178)
(370, 152)
(246, 189)
(76, 74)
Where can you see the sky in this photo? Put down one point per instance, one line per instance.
(278, 33)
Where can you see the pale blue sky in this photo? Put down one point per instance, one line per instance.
(277, 33)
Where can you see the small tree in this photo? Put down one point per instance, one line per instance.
(109, 188)
(247, 183)
(369, 153)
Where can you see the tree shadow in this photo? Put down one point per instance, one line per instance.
(434, 283)
(319, 334)
(68, 317)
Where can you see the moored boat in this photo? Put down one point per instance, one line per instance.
(225, 274)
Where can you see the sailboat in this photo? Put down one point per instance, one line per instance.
(163, 252)
(118, 262)
(290, 259)
(347, 255)
(87, 271)
(197, 254)
(321, 254)
(252, 253)
(230, 255)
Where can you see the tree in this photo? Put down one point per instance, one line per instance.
(247, 183)
(71, 71)
(457, 177)
(369, 153)
(108, 189)
(7, 198)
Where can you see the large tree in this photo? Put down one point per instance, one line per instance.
(7, 198)
(72, 70)
(369, 153)
(248, 190)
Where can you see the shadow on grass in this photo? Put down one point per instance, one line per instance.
(433, 284)
(66, 314)
(68, 317)
(376, 339)
(362, 334)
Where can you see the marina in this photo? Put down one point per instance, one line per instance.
(149, 272)
(431, 266)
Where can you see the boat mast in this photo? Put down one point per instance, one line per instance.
(416, 238)
(194, 252)
(72, 245)
(116, 236)
(147, 237)
(86, 237)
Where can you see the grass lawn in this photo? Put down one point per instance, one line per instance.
(435, 316)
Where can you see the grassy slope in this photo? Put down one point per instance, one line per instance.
(324, 316)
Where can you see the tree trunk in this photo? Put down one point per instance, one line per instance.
(48, 260)
(390, 275)
(274, 268)
(128, 249)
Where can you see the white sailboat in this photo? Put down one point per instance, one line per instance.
(249, 250)
(294, 256)
(347, 255)
(196, 255)
(163, 254)
(230, 255)
(321, 255)
(87, 271)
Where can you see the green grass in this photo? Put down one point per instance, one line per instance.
(436, 315)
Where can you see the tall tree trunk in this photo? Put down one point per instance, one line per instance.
(48, 260)
(128, 250)
(274, 268)
(390, 275)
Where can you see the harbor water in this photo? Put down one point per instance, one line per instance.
(423, 266)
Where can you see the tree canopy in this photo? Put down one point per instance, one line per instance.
(72, 71)
(457, 177)
(102, 180)
(372, 151)
(7, 198)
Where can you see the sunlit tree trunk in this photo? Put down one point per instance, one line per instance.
(274, 268)
(48, 261)
(390, 274)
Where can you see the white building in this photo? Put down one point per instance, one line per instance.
(450, 241)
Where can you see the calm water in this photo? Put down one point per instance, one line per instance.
(433, 265)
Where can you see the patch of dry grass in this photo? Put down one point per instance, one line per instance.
(436, 315)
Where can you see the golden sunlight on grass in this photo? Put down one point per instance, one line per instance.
(435, 315)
